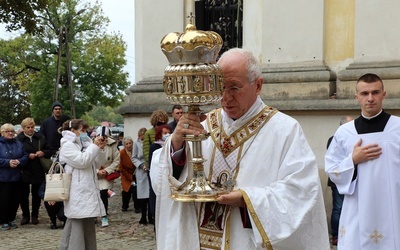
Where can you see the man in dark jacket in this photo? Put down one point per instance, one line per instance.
(177, 112)
(50, 127)
(33, 175)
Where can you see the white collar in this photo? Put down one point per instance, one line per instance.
(369, 118)
(231, 125)
(29, 136)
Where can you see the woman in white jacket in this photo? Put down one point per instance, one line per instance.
(84, 203)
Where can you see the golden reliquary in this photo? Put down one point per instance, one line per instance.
(193, 79)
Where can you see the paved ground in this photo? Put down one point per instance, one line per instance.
(124, 231)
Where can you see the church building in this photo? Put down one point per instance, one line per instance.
(311, 52)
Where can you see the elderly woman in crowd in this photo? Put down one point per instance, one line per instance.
(13, 158)
(128, 178)
(33, 175)
(143, 187)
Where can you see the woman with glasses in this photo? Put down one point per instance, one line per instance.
(12, 160)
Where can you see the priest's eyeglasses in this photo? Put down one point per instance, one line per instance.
(233, 90)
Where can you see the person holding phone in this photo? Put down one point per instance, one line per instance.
(84, 203)
(109, 167)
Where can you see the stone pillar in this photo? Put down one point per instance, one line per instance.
(289, 44)
(153, 20)
(339, 31)
(376, 50)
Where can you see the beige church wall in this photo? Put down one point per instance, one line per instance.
(153, 21)
(133, 124)
(277, 36)
(275, 32)
(377, 33)
(318, 127)
(347, 89)
(253, 26)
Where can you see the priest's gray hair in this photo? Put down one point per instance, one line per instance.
(253, 67)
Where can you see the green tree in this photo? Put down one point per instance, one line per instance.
(102, 113)
(15, 108)
(22, 14)
(15, 76)
(96, 59)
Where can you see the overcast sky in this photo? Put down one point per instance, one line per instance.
(122, 18)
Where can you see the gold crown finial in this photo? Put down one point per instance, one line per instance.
(192, 46)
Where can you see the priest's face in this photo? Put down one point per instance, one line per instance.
(239, 94)
(370, 97)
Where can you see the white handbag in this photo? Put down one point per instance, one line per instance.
(57, 184)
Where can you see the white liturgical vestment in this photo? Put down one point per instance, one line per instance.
(370, 217)
(275, 170)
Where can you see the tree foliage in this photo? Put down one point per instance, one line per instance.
(22, 14)
(15, 76)
(97, 60)
(15, 108)
(99, 114)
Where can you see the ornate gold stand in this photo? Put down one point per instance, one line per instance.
(193, 79)
(198, 188)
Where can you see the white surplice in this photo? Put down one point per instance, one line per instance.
(370, 217)
(278, 177)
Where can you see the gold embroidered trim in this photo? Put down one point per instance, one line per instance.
(228, 230)
(210, 239)
(266, 242)
(240, 136)
(212, 164)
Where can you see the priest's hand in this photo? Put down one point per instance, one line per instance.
(189, 124)
(234, 198)
(365, 153)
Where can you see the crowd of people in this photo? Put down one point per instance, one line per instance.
(95, 160)
(274, 199)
